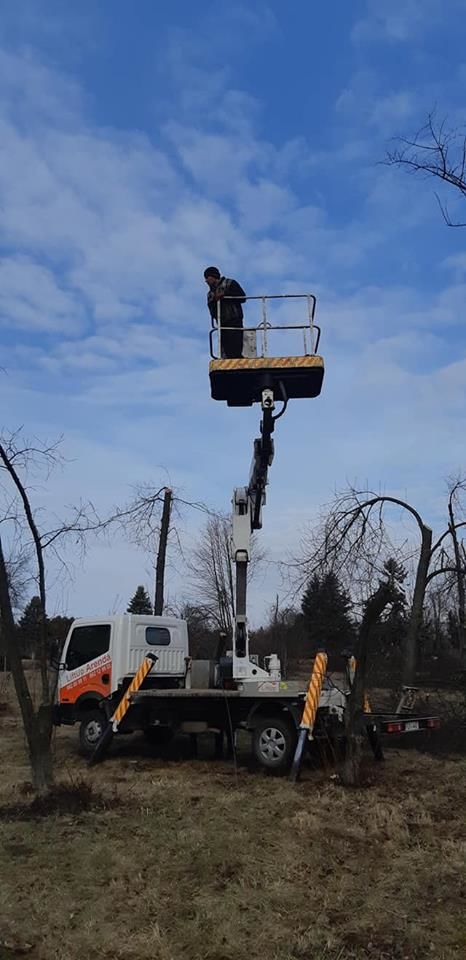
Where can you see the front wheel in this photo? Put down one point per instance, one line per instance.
(274, 743)
(91, 729)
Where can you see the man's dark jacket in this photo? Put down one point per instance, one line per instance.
(231, 315)
(231, 311)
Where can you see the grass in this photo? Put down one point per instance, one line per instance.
(174, 859)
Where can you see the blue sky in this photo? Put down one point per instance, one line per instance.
(140, 143)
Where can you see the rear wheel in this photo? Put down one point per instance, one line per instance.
(158, 736)
(274, 742)
(91, 729)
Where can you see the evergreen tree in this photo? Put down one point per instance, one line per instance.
(30, 626)
(57, 630)
(282, 634)
(392, 628)
(326, 614)
(140, 603)
(29, 630)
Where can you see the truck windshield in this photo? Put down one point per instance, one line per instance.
(87, 643)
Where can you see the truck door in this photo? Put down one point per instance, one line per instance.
(87, 670)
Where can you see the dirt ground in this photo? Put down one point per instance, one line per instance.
(164, 857)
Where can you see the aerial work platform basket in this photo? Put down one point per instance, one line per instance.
(240, 381)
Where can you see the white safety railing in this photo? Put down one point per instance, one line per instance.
(309, 329)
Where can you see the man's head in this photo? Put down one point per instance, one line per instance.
(212, 276)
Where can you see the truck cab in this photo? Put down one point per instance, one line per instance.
(100, 656)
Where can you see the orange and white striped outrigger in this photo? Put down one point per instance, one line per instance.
(314, 689)
(146, 666)
(121, 710)
(351, 670)
(311, 706)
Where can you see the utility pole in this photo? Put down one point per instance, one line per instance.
(162, 553)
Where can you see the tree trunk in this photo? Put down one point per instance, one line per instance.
(40, 753)
(411, 644)
(459, 565)
(221, 645)
(43, 659)
(11, 647)
(354, 714)
(436, 614)
(37, 724)
(351, 768)
(162, 554)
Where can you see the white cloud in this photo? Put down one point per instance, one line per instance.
(390, 112)
(32, 299)
(263, 205)
(106, 235)
(400, 21)
(457, 263)
(211, 159)
(28, 96)
(361, 103)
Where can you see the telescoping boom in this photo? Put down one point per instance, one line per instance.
(263, 379)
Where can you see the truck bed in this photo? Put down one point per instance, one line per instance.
(181, 693)
(216, 699)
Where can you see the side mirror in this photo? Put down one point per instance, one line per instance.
(72, 660)
(57, 664)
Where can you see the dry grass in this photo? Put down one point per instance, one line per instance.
(188, 860)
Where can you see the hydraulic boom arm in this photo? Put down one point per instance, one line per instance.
(247, 517)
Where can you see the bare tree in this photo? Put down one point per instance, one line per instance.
(457, 487)
(280, 620)
(18, 576)
(17, 573)
(148, 521)
(437, 151)
(282, 634)
(436, 605)
(162, 552)
(19, 523)
(353, 538)
(211, 573)
(140, 521)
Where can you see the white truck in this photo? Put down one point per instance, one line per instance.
(101, 656)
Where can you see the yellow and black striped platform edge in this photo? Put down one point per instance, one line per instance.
(265, 363)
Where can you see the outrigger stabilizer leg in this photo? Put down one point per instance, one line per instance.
(311, 706)
(121, 710)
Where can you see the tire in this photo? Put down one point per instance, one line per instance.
(91, 729)
(158, 736)
(274, 743)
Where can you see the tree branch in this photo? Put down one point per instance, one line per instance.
(437, 152)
